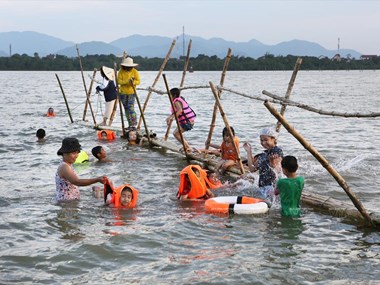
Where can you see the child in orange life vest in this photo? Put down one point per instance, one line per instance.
(186, 117)
(50, 112)
(193, 184)
(226, 151)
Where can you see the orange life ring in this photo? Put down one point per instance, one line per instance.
(116, 194)
(236, 205)
(110, 135)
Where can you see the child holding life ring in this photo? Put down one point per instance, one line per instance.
(290, 188)
(267, 163)
(66, 179)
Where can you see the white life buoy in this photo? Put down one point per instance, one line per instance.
(236, 205)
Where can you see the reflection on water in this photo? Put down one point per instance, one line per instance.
(164, 241)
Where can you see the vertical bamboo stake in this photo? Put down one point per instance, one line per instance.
(288, 92)
(89, 94)
(213, 119)
(181, 85)
(118, 99)
(322, 160)
(64, 97)
(142, 114)
(156, 80)
(176, 118)
(219, 105)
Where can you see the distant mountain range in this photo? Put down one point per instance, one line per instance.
(31, 43)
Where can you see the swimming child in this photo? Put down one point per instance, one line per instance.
(100, 153)
(267, 162)
(40, 134)
(109, 91)
(106, 135)
(186, 117)
(124, 196)
(50, 112)
(66, 179)
(192, 185)
(290, 188)
(134, 139)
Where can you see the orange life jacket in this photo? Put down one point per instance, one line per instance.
(198, 184)
(50, 115)
(110, 135)
(116, 194)
(213, 184)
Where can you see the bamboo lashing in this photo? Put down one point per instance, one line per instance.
(219, 105)
(64, 97)
(118, 99)
(289, 90)
(176, 118)
(213, 119)
(156, 80)
(89, 94)
(181, 85)
(142, 114)
(322, 160)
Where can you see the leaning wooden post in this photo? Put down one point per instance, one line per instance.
(118, 99)
(213, 119)
(322, 160)
(288, 92)
(176, 118)
(156, 80)
(219, 104)
(89, 94)
(181, 85)
(64, 97)
(142, 114)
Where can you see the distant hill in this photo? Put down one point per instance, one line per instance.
(157, 46)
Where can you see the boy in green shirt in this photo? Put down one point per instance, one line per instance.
(290, 188)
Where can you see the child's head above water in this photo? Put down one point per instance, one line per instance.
(99, 152)
(268, 138)
(40, 134)
(126, 196)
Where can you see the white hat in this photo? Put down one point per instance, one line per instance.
(109, 72)
(128, 62)
(269, 132)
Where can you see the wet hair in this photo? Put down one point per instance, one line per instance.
(96, 150)
(225, 131)
(41, 133)
(137, 137)
(289, 163)
(126, 188)
(175, 92)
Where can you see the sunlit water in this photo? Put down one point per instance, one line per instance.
(167, 242)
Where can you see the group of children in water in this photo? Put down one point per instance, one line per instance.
(270, 164)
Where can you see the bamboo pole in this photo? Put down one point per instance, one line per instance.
(89, 94)
(142, 114)
(176, 118)
(219, 105)
(213, 119)
(156, 80)
(322, 160)
(64, 97)
(289, 90)
(118, 99)
(181, 85)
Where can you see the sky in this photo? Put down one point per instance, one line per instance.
(355, 23)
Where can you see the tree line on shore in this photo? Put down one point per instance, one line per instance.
(199, 63)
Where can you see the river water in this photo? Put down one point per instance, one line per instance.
(167, 242)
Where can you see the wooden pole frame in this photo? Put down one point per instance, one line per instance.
(323, 161)
(64, 97)
(142, 114)
(176, 118)
(213, 119)
(156, 80)
(289, 90)
(89, 94)
(219, 105)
